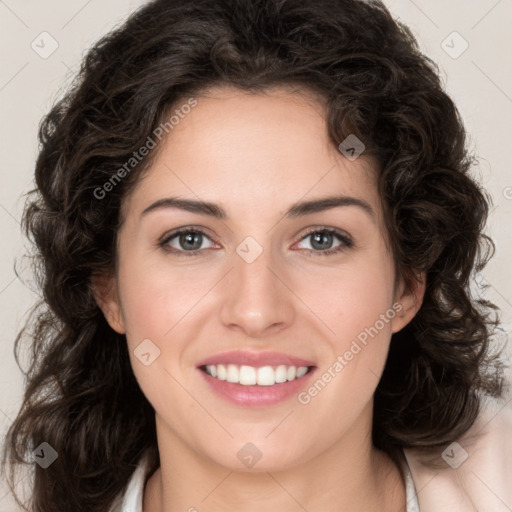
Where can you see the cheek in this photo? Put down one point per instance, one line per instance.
(355, 303)
(143, 307)
(157, 296)
(153, 308)
(358, 312)
(352, 297)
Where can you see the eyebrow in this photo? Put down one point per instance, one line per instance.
(299, 209)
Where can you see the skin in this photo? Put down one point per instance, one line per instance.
(256, 155)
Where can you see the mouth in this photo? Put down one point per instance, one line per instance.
(256, 379)
(256, 376)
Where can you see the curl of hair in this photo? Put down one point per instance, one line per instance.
(81, 396)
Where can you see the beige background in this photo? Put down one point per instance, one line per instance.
(479, 80)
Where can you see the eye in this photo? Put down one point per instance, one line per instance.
(322, 241)
(184, 241)
(189, 241)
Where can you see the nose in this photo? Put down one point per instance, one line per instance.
(257, 298)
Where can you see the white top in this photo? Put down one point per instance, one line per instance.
(474, 473)
(131, 501)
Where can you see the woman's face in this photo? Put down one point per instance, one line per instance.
(261, 280)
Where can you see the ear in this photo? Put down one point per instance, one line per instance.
(105, 292)
(410, 301)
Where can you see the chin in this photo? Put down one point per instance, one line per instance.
(257, 457)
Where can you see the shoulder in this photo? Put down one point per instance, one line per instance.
(472, 473)
(131, 499)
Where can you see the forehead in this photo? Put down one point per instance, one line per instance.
(253, 151)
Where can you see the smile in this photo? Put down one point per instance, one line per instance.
(259, 376)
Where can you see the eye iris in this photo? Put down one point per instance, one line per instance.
(322, 240)
(194, 239)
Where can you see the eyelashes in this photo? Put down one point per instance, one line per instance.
(183, 238)
(164, 243)
(346, 241)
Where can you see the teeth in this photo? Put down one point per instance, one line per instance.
(281, 374)
(232, 373)
(266, 376)
(301, 371)
(250, 376)
(247, 375)
(221, 371)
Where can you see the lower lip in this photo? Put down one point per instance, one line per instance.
(254, 396)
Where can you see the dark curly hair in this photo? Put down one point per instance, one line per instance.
(81, 395)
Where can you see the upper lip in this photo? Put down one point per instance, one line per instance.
(255, 359)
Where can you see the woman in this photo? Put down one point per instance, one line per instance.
(257, 229)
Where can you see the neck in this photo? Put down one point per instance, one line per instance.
(351, 476)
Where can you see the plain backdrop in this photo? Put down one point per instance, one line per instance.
(42, 46)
